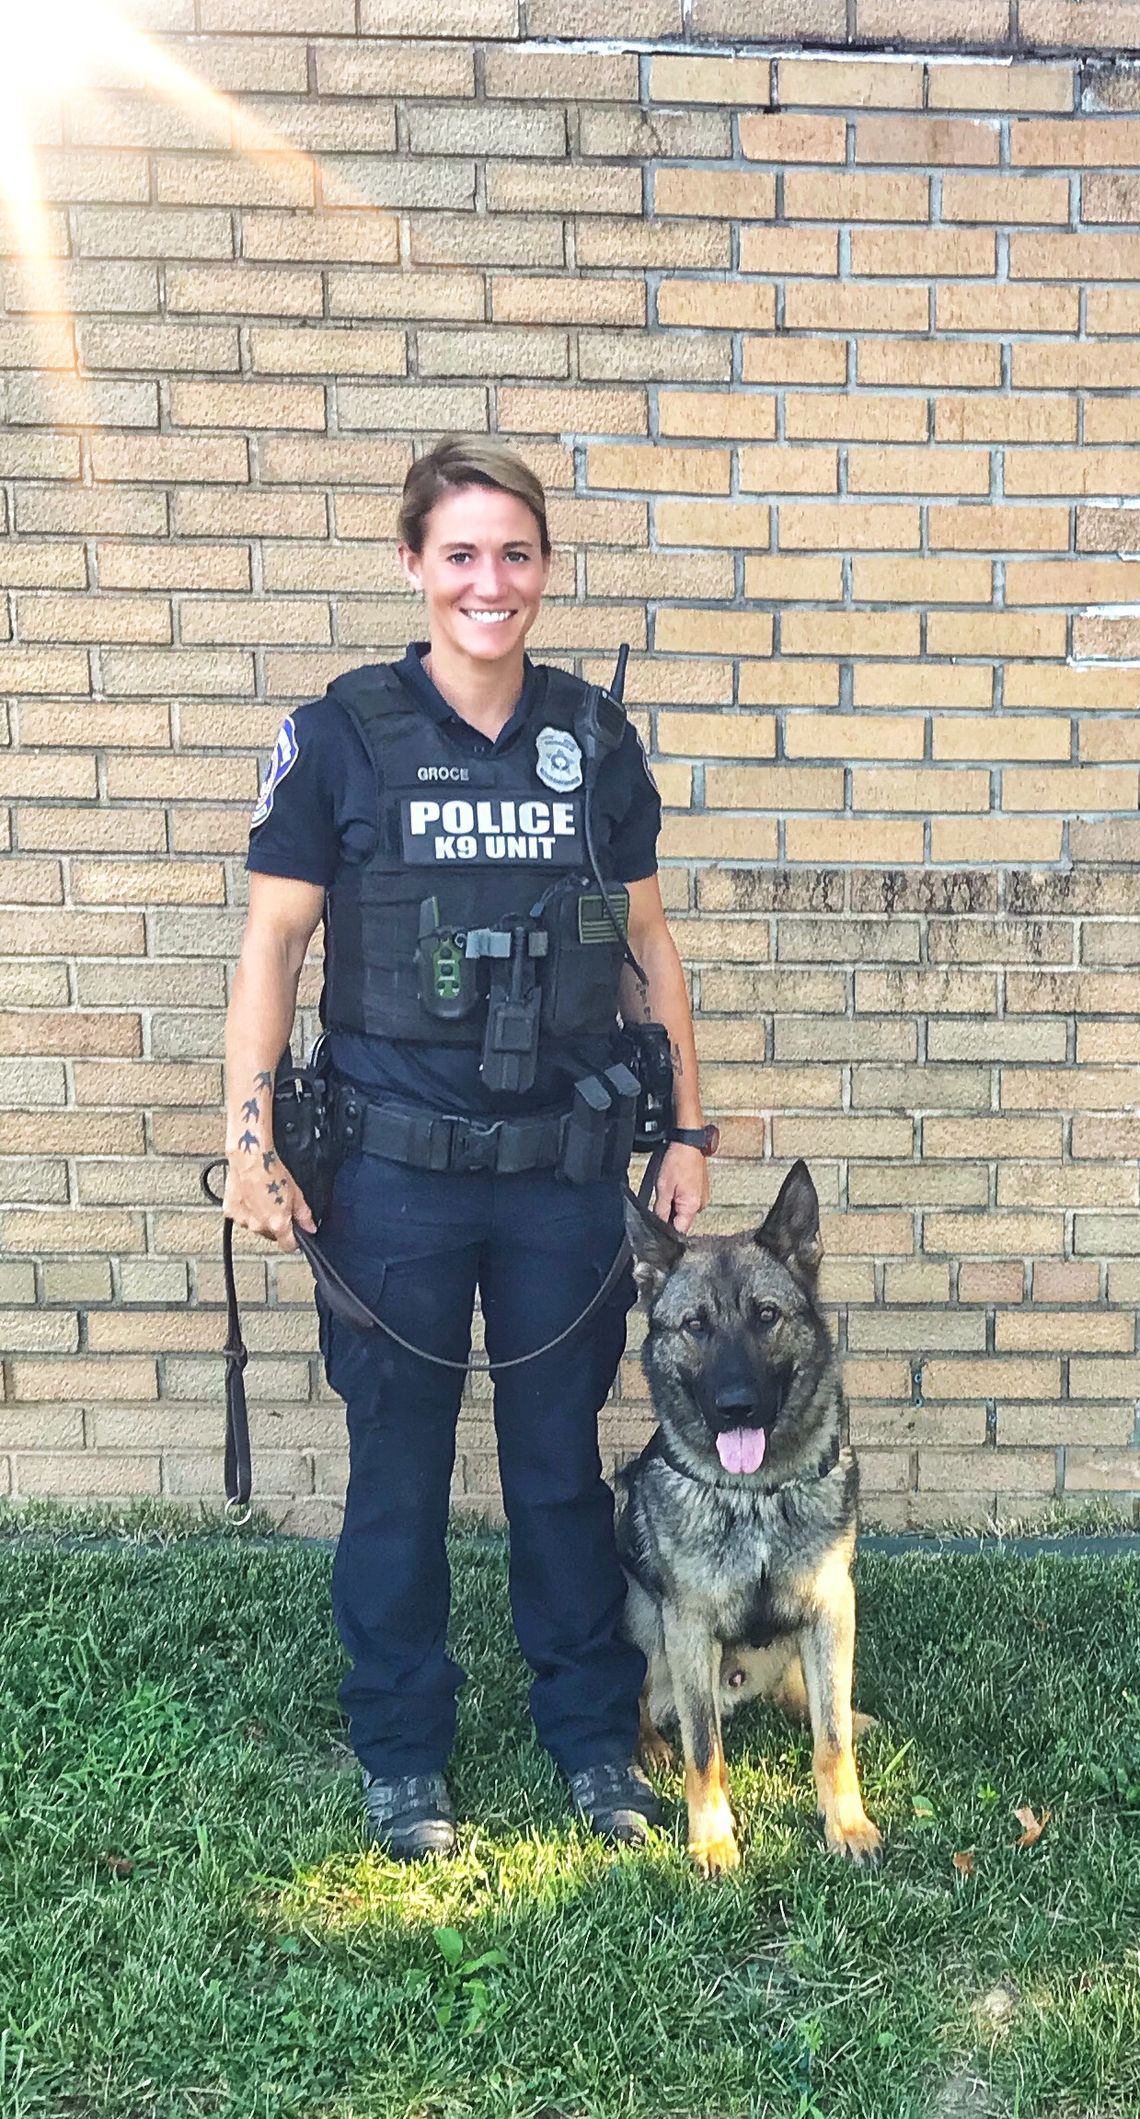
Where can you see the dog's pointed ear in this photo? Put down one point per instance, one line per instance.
(791, 1230)
(656, 1248)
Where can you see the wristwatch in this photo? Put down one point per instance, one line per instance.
(706, 1138)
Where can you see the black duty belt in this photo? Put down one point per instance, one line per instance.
(431, 1140)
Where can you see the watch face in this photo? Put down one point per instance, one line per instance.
(712, 1139)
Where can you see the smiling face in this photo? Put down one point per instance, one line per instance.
(482, 573)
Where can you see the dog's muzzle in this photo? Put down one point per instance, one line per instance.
(740, 1406)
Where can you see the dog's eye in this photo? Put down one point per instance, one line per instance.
(694, 1325)
(767, 1315)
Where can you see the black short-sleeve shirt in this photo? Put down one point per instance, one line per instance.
(317, 814)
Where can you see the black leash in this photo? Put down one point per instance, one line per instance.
(237, 1473)
(345, 1303)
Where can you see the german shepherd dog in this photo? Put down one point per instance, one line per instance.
(737, 1523)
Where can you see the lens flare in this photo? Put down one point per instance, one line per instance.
(55, 50)
(57, 59)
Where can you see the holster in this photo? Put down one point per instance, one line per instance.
(645, 1049)
(304, 1135)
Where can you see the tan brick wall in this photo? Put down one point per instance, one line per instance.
(826, 362)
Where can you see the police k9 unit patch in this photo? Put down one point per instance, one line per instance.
(283, 760)
(559, 762)
(489, 830)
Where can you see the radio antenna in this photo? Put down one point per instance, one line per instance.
(617, 685)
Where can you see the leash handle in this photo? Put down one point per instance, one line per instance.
(207, 1171)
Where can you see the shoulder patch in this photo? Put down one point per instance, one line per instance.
(283, 760)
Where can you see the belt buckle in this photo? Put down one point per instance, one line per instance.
(474, 1146)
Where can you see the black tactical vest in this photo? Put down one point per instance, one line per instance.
(463, 843)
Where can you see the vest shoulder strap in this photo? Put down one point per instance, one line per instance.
(563, 697)
(369, 693)
(378, 704)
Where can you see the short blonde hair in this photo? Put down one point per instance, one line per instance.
(459, 460)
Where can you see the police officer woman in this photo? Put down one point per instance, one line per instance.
(431, 811)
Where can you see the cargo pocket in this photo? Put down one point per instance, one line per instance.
(342, 1344)
(428, 1300)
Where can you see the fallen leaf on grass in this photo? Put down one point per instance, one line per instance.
(964, 1863)
(1034, 1826)
(117, 1864)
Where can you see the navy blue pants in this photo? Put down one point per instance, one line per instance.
(416, 1244)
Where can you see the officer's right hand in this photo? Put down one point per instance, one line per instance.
(260, 1195)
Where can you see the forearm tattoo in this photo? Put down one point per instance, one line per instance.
(250, 1141)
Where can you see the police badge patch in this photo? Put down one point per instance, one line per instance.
(559, 760)
(283, 760)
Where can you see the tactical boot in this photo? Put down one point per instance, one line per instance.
(410, 1818)
(616, 1801)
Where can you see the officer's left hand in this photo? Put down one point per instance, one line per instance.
(682, 1189)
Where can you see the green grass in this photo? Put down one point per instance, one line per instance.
(156, 1522)
(191, 1925)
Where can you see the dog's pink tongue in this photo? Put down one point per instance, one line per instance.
(741, 1449)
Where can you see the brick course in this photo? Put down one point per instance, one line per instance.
(824, 354)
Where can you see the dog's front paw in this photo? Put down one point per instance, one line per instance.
(856, 1837)
(655, 1750)
(714, 1857)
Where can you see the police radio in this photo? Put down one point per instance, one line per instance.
(599, 724)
